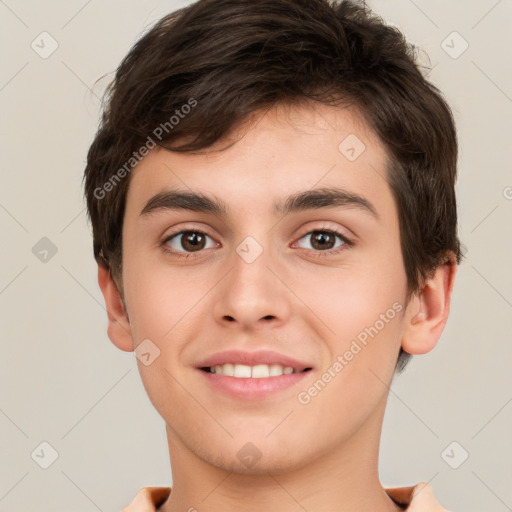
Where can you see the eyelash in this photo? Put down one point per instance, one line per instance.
(346, 242)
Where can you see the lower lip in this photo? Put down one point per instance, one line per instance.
(253, 389)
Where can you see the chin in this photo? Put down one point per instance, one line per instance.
(254, 453)
(264, 463)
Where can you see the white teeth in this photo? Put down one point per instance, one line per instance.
(275, 369)
(259, 371)
(241, 371)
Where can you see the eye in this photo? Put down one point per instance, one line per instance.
(324, 240)
(187, 241)
(183, 244)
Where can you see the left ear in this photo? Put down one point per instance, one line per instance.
(428, 310)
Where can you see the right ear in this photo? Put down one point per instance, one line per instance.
(118, 330)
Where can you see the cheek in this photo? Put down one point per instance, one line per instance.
(165, 306)
(365, 318)
(160, 297)
(362, 307)
(350, 299)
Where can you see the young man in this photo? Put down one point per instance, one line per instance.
(272, 198)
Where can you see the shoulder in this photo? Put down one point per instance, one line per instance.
(419, 498)
(148, 499)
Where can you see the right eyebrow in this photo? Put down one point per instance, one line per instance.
(183, 200)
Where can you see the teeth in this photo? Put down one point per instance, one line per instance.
(256, 372)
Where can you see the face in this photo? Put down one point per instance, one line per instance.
(319, 282)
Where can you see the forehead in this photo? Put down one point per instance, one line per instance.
(286, 149)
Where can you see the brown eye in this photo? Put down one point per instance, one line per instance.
(193, 241)
(324, 240)
(188, 241)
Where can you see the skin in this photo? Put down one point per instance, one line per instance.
(320, 456)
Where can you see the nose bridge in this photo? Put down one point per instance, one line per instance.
(251, 292)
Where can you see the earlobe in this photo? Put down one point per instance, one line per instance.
(118, 329)
(427, 312)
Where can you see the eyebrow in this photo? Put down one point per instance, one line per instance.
(176, 199)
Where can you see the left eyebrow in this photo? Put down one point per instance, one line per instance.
(324, 198)
(175, 199)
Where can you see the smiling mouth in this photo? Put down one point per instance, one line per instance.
(259, 371)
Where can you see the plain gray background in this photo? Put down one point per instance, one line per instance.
(62, 381)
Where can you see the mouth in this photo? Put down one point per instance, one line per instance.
(259, 371)
(249, 383)
(253, 375)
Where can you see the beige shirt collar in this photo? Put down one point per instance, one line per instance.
(419, 498)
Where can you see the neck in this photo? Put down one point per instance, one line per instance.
(343, 480)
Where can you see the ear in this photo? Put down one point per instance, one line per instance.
(118, 322)
(428, 310)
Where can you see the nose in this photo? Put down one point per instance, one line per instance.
(253, 294)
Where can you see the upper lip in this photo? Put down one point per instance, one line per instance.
(252, 359)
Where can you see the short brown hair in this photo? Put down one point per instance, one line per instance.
(226, 59)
